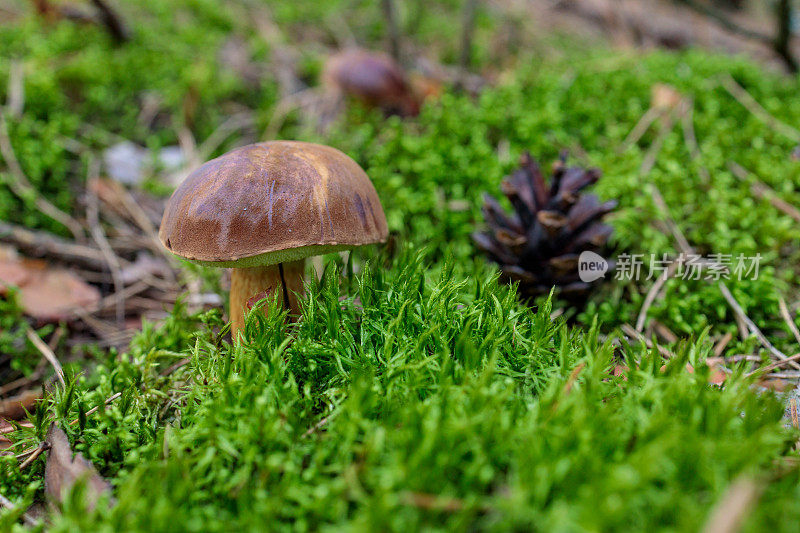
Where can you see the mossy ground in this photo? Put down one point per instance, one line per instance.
(428, 396)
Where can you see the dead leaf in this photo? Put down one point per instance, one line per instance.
(663, 97)
(45, 293)
(63, 470)
(15, 407)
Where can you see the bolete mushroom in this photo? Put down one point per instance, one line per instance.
(263, 208)
(372, 77)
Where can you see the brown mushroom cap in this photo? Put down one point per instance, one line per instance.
(372, 77)
(272, 202)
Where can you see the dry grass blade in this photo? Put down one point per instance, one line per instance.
(750, 103)
(640, 128)
(720, 346)
(788, 318)
(661, 204)
(48, 354)
(33, 455)
(776, 364)
(730, 512)
(653, 293)
(96, 407)
(667, 124)
(691, 141)
(737, 309)
(765, 192)
(573, 376)
(21, 186)
(628, 330)
(63, 470)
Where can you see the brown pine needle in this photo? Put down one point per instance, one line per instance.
(48, 354)
(752, 105)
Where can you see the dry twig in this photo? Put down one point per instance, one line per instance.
(776, 364)
(750, 103)
(628, 330)
(737, 309)
(764, 191)
(48, 354)
(653, 292)
(34, 454)
(788, 319)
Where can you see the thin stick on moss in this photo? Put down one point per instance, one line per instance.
(628, 330)
(737, 309)
(690, 137)
(112, 21)
(16, 88)
(96, 407)
(655, 290)
(788, 319)
(720, 346)
(32, 457)
(48, 354)
(752, 105)
(765, 192)
(644, 123)
(776, 364)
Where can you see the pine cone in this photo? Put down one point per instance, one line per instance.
(539, 244)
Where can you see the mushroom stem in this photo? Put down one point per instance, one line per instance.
(284, 281)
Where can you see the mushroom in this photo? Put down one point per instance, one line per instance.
(372, 77)
(263, 208)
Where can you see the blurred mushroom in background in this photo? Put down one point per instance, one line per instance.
(373, 78)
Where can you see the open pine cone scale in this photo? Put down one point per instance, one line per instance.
(539, 243)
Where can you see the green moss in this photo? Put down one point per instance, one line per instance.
(427, 387)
